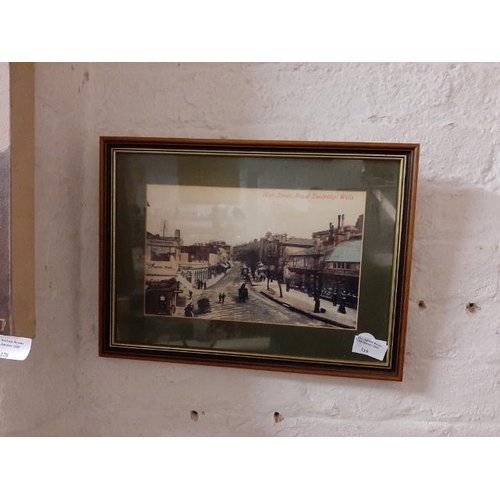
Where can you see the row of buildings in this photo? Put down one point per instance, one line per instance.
(326, 265)
(167, 257)
(174, 270)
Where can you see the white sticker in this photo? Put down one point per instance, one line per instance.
(367, 344)
(16, 348)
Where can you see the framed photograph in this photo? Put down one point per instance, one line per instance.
(289, 256)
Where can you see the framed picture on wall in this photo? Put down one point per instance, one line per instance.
(289, 256)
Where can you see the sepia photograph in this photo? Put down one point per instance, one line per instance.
(277, 256)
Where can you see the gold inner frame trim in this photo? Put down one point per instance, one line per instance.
(263, 154)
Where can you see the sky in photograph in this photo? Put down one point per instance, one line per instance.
(240, 215)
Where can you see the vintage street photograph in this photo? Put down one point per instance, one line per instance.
(275, 256)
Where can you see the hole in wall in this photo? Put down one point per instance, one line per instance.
(278, 417)
(422, 304)
(194, 415)
(472, 307)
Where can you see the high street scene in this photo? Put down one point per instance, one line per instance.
(289, 257)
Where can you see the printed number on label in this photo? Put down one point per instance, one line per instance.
(4, 354)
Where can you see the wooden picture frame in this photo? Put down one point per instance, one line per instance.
(273, 255)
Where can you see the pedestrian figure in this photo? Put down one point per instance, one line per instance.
(316, 304)
(220, 297)
(223, 297)
(189, 310)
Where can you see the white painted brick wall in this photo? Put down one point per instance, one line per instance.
(452, 368)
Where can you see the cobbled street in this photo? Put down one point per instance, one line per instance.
(256, 309)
